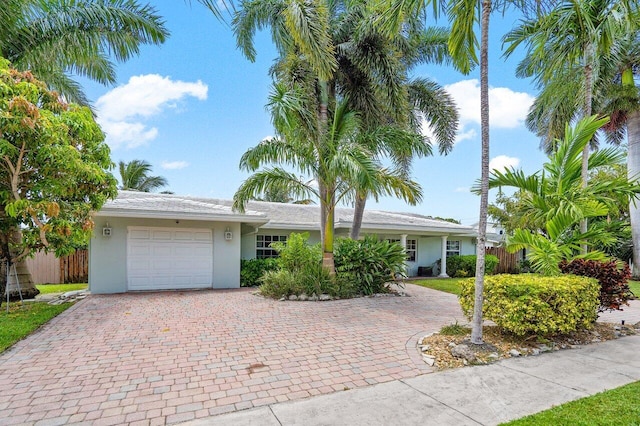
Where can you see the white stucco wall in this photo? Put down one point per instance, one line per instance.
(108, 255)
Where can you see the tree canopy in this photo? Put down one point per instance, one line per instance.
(54, 168)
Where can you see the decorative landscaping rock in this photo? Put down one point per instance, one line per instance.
(313, 297)
(463, 351)
(303, 297)
(325, 297)
(69, 297)
(514, 353)
(293, 297)
(430, 360)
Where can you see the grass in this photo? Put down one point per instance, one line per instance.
(60, 288)
(635, 288)
(449, 285)
(24, 320)
(619, 406)
(455, 330)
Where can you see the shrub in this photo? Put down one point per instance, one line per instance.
(370, 264)
(299, 270)
(465, 266)
(296, 254)
(251, 270)
(613, 279)
(534, 304)
(310, 280)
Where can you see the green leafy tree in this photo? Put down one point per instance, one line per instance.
(54, 171)
(554, 200)
(134, 176)
(59, 38)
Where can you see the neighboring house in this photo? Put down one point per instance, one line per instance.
(147, 241)
(496, 235)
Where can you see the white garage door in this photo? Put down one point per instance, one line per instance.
(169, 258)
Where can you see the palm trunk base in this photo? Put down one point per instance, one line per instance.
(27, 286)
(328, 263)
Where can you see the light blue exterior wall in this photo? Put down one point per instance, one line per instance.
(108, 255)
(429, 247)
(249, 240)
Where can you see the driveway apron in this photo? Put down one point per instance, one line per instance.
(168, 357)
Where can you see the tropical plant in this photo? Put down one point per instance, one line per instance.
(338, 163)
(55, 39)
(134, 176)
(554, 199)
(362, 67)
(370, 264)
(54, 172)
(575, 34)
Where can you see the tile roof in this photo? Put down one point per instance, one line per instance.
(272, 215)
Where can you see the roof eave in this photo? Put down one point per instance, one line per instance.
(205, 217)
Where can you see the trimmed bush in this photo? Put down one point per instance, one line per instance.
(465, 266)
(251, 270)
(534, 304)
(368, 263)
(613, 279)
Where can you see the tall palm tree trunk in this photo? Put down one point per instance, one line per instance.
(358, 213)
(476, 330)
(588, 102)
(328, 206)
(633, 172)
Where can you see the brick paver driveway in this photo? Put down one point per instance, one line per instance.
(157, 358)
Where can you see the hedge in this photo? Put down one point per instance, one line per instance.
(533, 304)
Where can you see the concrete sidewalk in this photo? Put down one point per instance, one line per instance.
(481, 395)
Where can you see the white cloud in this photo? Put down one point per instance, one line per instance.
(174, 165)
(123, 111)
(462, 189)
(508, 109)
(503, 162)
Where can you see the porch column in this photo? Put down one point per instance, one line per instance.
(443, 261)
(403, 243)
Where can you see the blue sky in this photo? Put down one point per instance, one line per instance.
(194, 105)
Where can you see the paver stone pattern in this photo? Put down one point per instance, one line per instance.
(167, 357)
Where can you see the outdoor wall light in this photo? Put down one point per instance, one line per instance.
(228, 235)
(106, 230)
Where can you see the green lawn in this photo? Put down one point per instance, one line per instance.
(60, 288)
(635, 288)
(24, 320)
(619, 406)
(450, 285)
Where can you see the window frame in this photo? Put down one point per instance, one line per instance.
(454, 252)
(263, 245)
(412, 253)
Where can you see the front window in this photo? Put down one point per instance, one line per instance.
(453, 248)
(263, 245)
(411, 249)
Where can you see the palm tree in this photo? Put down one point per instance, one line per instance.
(554, 200)
(134, 176)
(616, 95)
(577, 33)
(370, 73)
(337, 164)
(57, 38)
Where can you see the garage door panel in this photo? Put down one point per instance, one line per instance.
(139, 234)
(169, 258)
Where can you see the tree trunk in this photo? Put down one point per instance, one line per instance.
(588, 102)
(633, 172)
(476, 330)
(358, 212)
(328, 206)
(27, 286)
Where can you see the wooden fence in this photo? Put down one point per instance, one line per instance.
(48, 269)
(508, 261)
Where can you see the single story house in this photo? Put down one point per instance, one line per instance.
(148, 241)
